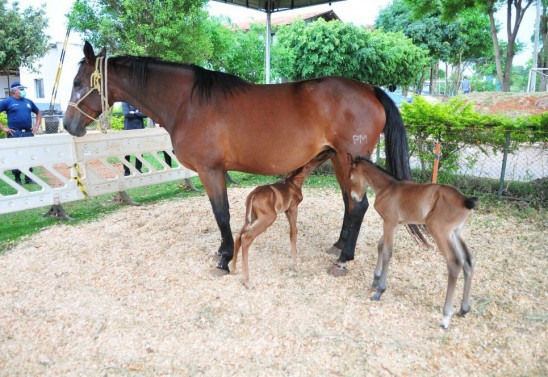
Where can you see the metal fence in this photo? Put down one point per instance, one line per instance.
(508, 165)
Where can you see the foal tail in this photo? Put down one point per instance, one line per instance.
(396, 149)
(471, 203)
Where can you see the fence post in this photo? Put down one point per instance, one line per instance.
(504, 160)
(436, 163)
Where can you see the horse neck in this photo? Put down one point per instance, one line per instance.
(377, 178)
(151, 93)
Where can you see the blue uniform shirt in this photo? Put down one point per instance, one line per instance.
(19, 112)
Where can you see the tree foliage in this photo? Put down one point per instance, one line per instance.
(22, 38)
(334, 48)
(515, 10)
(460, 42)
(174, 30)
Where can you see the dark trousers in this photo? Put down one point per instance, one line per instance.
(16, 172)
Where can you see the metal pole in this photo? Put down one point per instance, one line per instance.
(504, 160)
(533, 80)
(268, 39)
(436, 164)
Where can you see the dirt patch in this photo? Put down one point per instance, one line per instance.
(131, 295)
(511, 104)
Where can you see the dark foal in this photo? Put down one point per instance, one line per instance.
(442, 208)
(264, 204)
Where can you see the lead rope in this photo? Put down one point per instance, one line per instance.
(97, 83)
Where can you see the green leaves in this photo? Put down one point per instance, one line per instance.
(22, 38)
(334, 48)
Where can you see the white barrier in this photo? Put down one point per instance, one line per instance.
(96, 159)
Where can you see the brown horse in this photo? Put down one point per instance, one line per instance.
(219, 122)
(442, 208)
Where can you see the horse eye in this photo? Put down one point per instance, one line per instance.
(77, 84)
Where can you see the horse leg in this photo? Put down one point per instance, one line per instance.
(468, 270)
(447, 248)
(254, 230)
(347, 253)
(237, 246)
(387, 243)
(215, 186)
(337, 247)
(378, 268)
(352, 219)
(291, 215)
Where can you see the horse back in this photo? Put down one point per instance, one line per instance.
(298, 119)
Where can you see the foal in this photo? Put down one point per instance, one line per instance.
(442, 208)
(264, 204)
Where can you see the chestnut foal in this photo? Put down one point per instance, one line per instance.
(264, 204)
(442, 208)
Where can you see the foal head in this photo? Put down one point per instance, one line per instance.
(358, 177)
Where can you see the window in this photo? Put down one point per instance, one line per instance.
(39, 87)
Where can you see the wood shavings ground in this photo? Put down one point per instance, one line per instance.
(132, 295)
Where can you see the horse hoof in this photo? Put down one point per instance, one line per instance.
(462, 312)
(376, 297)
(337, 270)
(249, 286)
(334, 250)
(218, 272)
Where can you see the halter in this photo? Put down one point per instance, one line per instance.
(97, 83)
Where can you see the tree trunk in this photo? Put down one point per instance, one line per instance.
(511, 32)
(543, 54)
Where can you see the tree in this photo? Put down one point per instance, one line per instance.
(515, 10)
(334, 48)
(174, 30)
(458, 42)
(22, 38)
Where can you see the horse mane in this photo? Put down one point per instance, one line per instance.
(367, 160)
(207, 83)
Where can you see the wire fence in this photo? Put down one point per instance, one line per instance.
(507, 165)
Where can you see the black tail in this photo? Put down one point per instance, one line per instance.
(395, 138)
(471, 203)
(396, 149)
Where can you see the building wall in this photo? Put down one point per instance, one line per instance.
(47, 68)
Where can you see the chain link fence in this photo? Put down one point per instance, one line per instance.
(509, 164)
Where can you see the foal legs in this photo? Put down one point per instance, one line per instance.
(468, 270)
(383, 260)
(454, 265)
(246, 237)
(291, 215)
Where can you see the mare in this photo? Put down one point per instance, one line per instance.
(219, 122)
(442, 208)
(263, 205)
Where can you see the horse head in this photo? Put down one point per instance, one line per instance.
(85, 100)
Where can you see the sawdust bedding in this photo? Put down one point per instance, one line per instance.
(132, 295)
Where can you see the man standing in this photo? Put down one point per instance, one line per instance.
(19, 109)
(133, 120)
(465, 85)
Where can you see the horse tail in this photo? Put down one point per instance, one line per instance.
(396, 146)
(471, 203)
(396, 149)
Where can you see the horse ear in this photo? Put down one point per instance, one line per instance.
(103, 53)
(89, 54)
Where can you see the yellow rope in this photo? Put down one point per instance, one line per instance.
(78, 179)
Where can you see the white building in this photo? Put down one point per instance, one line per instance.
(40, 84)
